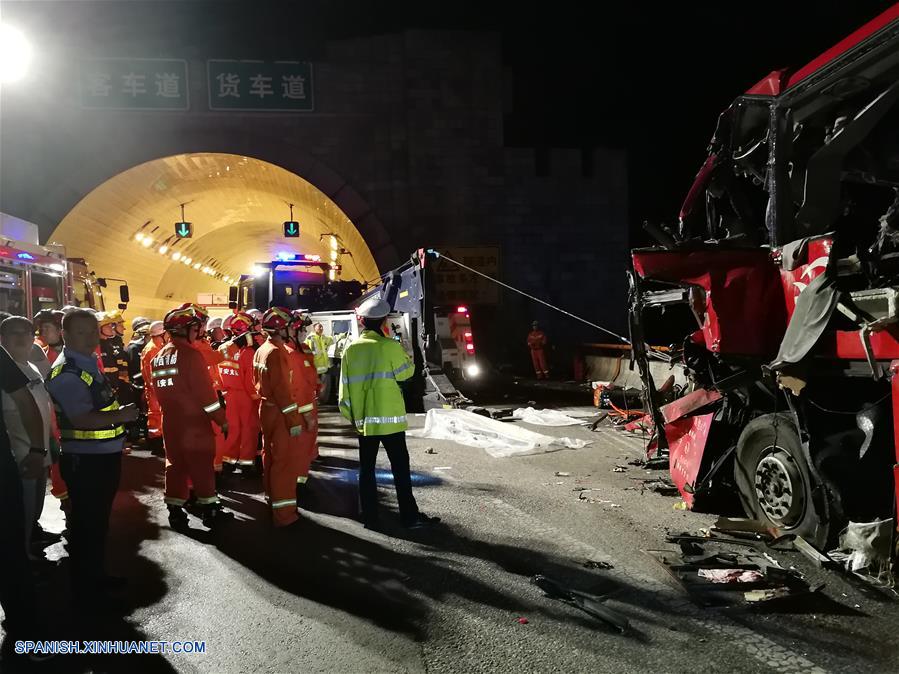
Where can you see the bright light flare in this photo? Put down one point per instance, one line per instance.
(15, 54)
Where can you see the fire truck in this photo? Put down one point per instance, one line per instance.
(780, 289)
(35, 277)
(439, 339)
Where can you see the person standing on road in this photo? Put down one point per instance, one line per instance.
(371, 399)
(17, 596)
(157, 339)
(242, 409)
(140, 327)
(16, 336)
(303, 388)
(91, 424)
(282, 419)
(537, 345)
(189, 405)
(319, 342)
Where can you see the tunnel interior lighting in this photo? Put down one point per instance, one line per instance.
(147, 242)
(163, 249)
(176, 256)
(15, 54)
(197, 265)
(139, 237)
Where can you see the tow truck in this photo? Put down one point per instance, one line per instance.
(439, 339)
(781, 279)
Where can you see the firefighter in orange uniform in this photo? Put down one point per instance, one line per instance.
(302, 323)
(236, 371)
(190, 405)
(303, 389)
(537, 345)
(212, 358)
(154, 411)
(282, 419)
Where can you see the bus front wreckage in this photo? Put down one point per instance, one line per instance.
(779, 290)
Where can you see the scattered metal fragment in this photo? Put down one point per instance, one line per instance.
(819, 558)
(590, 604)
(593, 564)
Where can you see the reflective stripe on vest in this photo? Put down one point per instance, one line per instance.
(66, 433)
(381, 420)
(289, 408)
(209, 409)
(370, 376)
(167, 372)
(286, 503)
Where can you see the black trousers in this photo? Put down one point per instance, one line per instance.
(93, 480)
(16, 588)
(395, 444)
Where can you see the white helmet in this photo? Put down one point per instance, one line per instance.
(373, 308)
(157, 328)
(214, 323)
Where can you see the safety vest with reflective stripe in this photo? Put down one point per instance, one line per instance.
(319, 345)
(103, 399)
(370, 396)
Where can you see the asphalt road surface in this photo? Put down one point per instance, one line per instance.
(333, 597)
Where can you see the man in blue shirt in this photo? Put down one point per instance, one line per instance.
(91, 426)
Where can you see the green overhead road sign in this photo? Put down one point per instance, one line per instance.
(265, 86)
(292, 229)
(133, 84)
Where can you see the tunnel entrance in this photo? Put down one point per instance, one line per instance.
(125, 227)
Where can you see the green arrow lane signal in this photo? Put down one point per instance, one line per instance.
(292, 229)
(184, 230)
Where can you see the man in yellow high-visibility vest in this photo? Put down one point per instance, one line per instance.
(371, 399)
(319, 342)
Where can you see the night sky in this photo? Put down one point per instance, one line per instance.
(586, 74)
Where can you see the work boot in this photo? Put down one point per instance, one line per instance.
(420, 521)
(177, 517)
(215, 515)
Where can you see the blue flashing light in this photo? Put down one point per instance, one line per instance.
(285, 257)
(25, 256)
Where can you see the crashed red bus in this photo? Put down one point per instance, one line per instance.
(781, 285)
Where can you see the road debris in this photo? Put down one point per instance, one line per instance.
(662, 486)
(865, 550)
(588, 603)
(710, 570)
(522, 621)
(430, 450)
(731, 575)
(593, 564)
(619, 469)
(443, 467)
(560, 473)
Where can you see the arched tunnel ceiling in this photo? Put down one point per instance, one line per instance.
(236, 205)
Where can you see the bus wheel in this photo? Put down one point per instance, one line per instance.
(775, 483)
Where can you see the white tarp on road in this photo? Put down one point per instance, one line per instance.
(545, 417)
(498, 439)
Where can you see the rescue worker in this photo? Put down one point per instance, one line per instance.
(302, 323)
(256, 315)
(371, 399)
(214, 332)
(282, 419)
(241, 397)
(157, 339)
(112, 354)
(91, 423)
(212, 358)
(140, 328)
(303, 389)
(189, 405)
(319, 342)
(48, 325)
(537, 345)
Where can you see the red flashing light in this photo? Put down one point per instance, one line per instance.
(462, 310)
(469, 347)
(467, 336)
